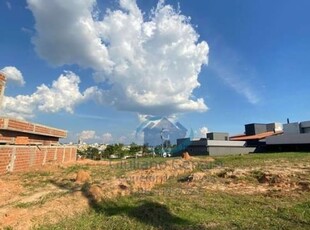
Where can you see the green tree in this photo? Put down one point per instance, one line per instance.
(82, 153)
(146, 149)
(110, 150)
(116, 149)
(134, 148)
(93, 153)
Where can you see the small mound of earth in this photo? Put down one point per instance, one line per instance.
(95, 192)
(268, 178)
(186, 156)
(195, 177)
(82, 176)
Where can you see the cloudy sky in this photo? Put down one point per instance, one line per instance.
(97, 68)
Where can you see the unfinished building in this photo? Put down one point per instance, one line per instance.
(25, 145)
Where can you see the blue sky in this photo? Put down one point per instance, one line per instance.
(254, 58)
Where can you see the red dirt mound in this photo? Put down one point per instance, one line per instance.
(82, 176)
(186, 156)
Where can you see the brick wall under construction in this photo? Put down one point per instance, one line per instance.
(12, 137)
(27, 127)
(22, 158)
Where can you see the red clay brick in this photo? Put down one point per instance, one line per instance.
(27, 157)
(21, 140)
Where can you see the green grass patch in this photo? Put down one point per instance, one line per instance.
(75, 168)
(36, 174)
(204, 211)
(41, 201)
(176, 205)
(263, 159)
(35, 184)
(36, 180)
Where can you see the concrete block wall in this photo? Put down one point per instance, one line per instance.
(231, 150)
(218, 136)
(291, 128)
(22, 158)
(305, 126)
(253, 129)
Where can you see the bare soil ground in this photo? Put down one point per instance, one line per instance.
(284, 177)
(48, 195)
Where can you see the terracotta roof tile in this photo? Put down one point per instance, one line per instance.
(254, 137)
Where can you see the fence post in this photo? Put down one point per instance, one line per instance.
(10, 167)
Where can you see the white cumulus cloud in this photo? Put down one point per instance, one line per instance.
(107, 138)
(63, 95)
(87, 135)
(152, 63)
(13, 75)
(203, 131)
(69, 37)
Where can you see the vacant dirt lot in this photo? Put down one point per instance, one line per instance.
(47, 196)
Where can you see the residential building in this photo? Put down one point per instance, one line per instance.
(216, 144)
(295, 137)
(256, 133)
